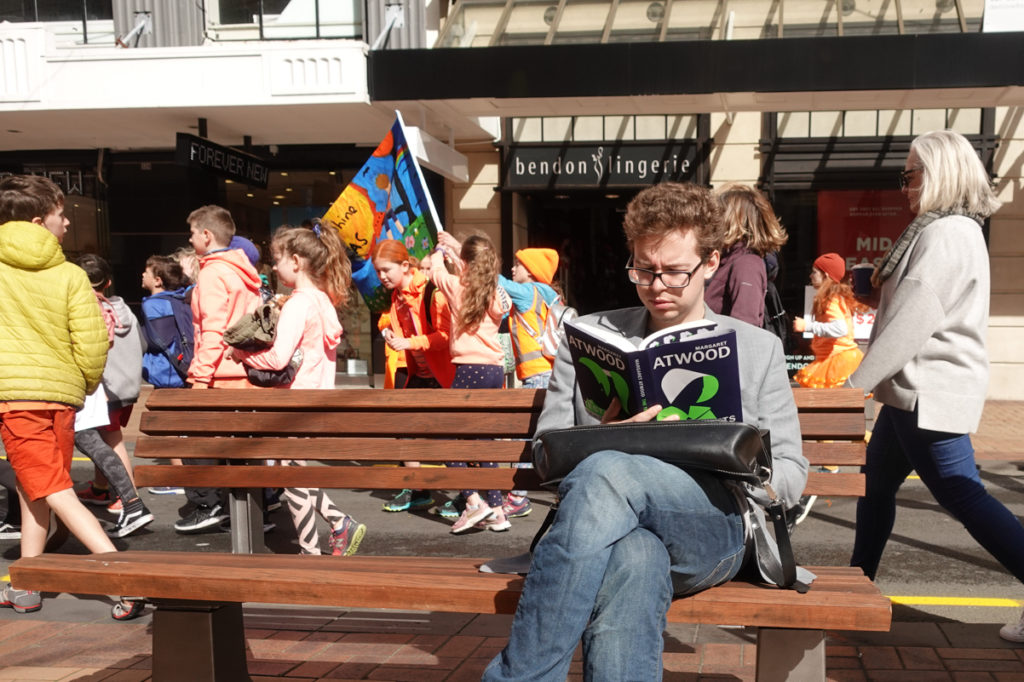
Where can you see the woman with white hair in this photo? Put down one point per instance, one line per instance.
(927, 363)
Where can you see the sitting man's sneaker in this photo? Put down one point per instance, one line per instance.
(10, 531)
(345, 540)
(22, 601)
(515, 508)
(167, 490)
(1013, 632)
(131, 520)
(202, 517)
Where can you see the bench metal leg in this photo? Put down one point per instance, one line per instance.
(198, 642)
(246, 508)
(794, 655)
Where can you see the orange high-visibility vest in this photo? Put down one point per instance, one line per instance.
(526, 327)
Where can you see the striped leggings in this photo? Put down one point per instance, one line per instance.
(303, 505)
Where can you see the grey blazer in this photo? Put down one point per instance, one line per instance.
(766, 396)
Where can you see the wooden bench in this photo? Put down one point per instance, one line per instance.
(199, 595)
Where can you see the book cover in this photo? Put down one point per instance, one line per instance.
(691, 370)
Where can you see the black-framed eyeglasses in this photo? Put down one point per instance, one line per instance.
(672, 279)
(903, 177)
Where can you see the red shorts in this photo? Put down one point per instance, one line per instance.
(119, 417)
(39, 446)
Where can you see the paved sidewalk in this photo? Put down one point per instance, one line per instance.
(74, 639)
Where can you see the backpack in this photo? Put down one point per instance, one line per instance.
(184, 334)
(554, 327)
(776, 319)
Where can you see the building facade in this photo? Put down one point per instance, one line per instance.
(560, 111)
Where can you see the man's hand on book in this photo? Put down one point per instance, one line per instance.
(647, 415)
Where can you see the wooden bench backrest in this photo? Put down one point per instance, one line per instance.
(368, 427)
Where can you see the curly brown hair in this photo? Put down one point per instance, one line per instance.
(479, 282)
(659, 210)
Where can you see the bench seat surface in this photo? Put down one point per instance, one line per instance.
(427, 584)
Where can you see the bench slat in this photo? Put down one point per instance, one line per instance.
(396, 478)
(380, 423)
(807, 399)
(333, 449)
(813, 426)
(437, 584)
(402, 449)
(414, 399)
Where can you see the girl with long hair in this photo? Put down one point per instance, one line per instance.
(312, 261)
(836, 354)
(478, 305)
(419, 326)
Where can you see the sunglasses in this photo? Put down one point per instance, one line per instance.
(903, 177)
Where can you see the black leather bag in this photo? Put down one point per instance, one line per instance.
(733, 450)
(729, 449)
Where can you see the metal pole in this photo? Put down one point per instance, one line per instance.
(261, 19)
(316, 9)
(85, 22)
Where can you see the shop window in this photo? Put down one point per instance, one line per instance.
(56, 10)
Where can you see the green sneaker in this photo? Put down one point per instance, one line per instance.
(401, 502)
(450, 511)
(421, 499)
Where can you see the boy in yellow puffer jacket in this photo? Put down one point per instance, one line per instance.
(53, 345)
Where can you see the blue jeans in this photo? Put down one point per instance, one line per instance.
(630, 531)
(945, 463)
(540, 380)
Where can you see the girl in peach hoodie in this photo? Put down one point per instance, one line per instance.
(477, 305)
(314, 264)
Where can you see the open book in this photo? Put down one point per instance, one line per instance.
(690, 369)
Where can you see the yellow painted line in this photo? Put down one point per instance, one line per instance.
(956, 601)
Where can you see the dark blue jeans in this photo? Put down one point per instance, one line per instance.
(630, 531)
(945, 463)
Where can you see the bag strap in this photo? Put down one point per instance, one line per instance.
(783, 572)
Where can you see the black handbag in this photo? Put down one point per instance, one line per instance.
(732, 450)
(729, 449)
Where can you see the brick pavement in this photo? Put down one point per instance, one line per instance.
(73, 639)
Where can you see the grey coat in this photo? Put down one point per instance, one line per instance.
(766, 397)
(927, 348)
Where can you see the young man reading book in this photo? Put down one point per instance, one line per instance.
(633, 531)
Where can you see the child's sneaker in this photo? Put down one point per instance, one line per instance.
(129, 522)
(450, 510)
(93, 495)
(345, 541)
(22, 601)
(498, 523)
(9, 531)
(516, 509)
(115, 507)
(472, 516)
(1013, 632)
(400, 502)
(128, 608)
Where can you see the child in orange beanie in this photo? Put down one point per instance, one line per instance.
(836, 354)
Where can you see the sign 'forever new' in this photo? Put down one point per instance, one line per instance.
(222, 161)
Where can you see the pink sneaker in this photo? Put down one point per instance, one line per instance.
(498, 523)
(472, 516)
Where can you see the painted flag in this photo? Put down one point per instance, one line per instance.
(387, 199)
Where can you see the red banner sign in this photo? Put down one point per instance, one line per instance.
(861, 225)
